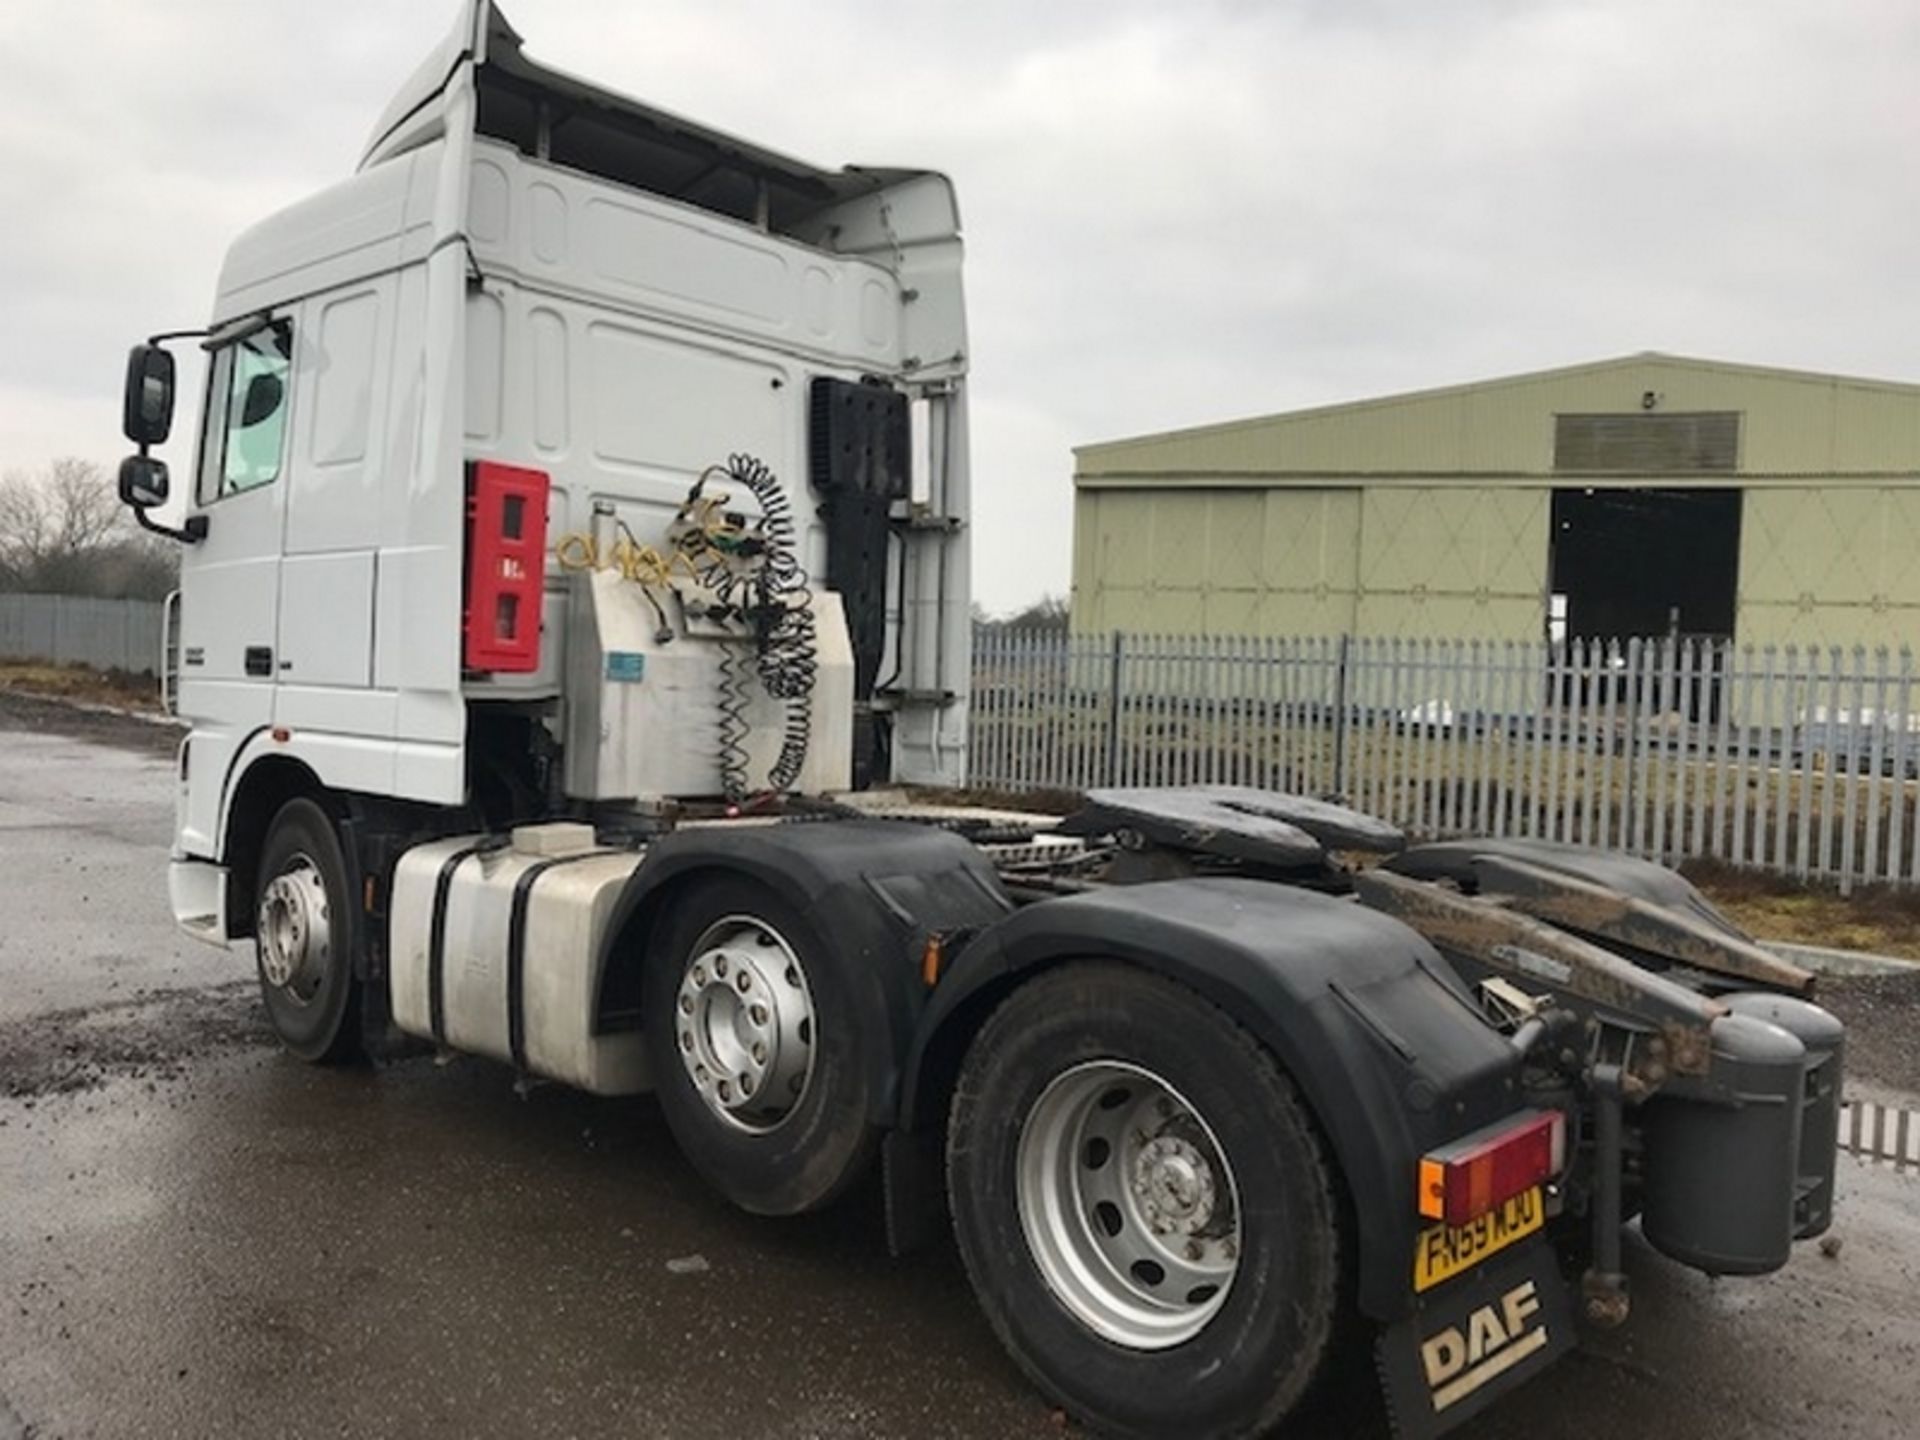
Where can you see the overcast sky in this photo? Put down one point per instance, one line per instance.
(1176, 213)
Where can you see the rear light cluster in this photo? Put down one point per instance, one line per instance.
(1481, 1172)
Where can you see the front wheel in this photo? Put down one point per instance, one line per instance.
(1143, 1206)
(304, 936)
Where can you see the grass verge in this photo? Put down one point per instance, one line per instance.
(82, 683)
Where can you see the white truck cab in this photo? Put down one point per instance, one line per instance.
(530, 272)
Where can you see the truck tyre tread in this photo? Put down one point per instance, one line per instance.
(1255, 1359)
(813, 1156)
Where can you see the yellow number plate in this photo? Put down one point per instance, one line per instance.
(1443, 1251)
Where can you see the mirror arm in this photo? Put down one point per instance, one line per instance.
(166, 335)
(192, 533)
(233, 331)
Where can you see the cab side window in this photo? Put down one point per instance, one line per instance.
(247, 398)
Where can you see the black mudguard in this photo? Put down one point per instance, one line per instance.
(1378, 1032)
(874, 889)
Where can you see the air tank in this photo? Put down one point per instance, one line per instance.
(1722, 1158)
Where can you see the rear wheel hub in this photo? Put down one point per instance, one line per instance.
(1129, 1208)
(745, 1021)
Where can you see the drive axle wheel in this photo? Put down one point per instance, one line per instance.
(303, 936)
(1129, 1209)
(1143, 1206)
(756, 1030)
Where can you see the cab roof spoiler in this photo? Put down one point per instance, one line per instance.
(558, 117)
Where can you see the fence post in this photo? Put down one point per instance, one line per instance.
(1340, 720)
(1111, 777)
(1630, 830)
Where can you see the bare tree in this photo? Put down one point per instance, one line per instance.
(64, 532)
(1048, 613)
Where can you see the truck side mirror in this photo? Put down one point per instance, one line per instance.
(143, 482)
(146, 411)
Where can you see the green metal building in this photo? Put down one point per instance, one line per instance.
(1650, 495)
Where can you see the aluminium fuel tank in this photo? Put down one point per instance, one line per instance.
(494, 946)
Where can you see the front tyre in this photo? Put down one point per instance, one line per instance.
(304, 936)
(1143, 1206)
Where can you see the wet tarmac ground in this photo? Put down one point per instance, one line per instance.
(200, 1236)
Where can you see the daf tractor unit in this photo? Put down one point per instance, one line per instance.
(574, 587)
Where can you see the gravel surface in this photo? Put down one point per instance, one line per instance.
(153, 1037)
(37, 714)
(1882, 1015)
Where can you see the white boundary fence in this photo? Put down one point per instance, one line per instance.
(81, 630)
(1883, 1134)
(1796, 760)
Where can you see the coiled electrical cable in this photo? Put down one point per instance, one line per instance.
(758, 575)
(733, 723)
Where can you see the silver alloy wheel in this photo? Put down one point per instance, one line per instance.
(293, 931)
(746, 1024)
(1129, 1207)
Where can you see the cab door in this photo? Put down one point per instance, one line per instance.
(230, 580)
(336, 466)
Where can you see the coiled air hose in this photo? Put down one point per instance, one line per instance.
(756, 574)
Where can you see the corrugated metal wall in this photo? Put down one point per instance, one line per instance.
(1196, 561)
(1794, 424)
(1429, 514)
(1452, 560)
(80, 630)
(1830, 564)
(1410, 560)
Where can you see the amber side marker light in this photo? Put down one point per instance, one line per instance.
(1479, 1173)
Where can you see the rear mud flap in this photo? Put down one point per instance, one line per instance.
(1474, 1340)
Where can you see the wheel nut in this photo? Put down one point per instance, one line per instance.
(746, 1086)
(759, 1014)
(686, 1004)
(759, 1053)
(726, 1090)
(1194, 1251)
(744, 981)
(699, 975)
(686, 1040)
(720, 966)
